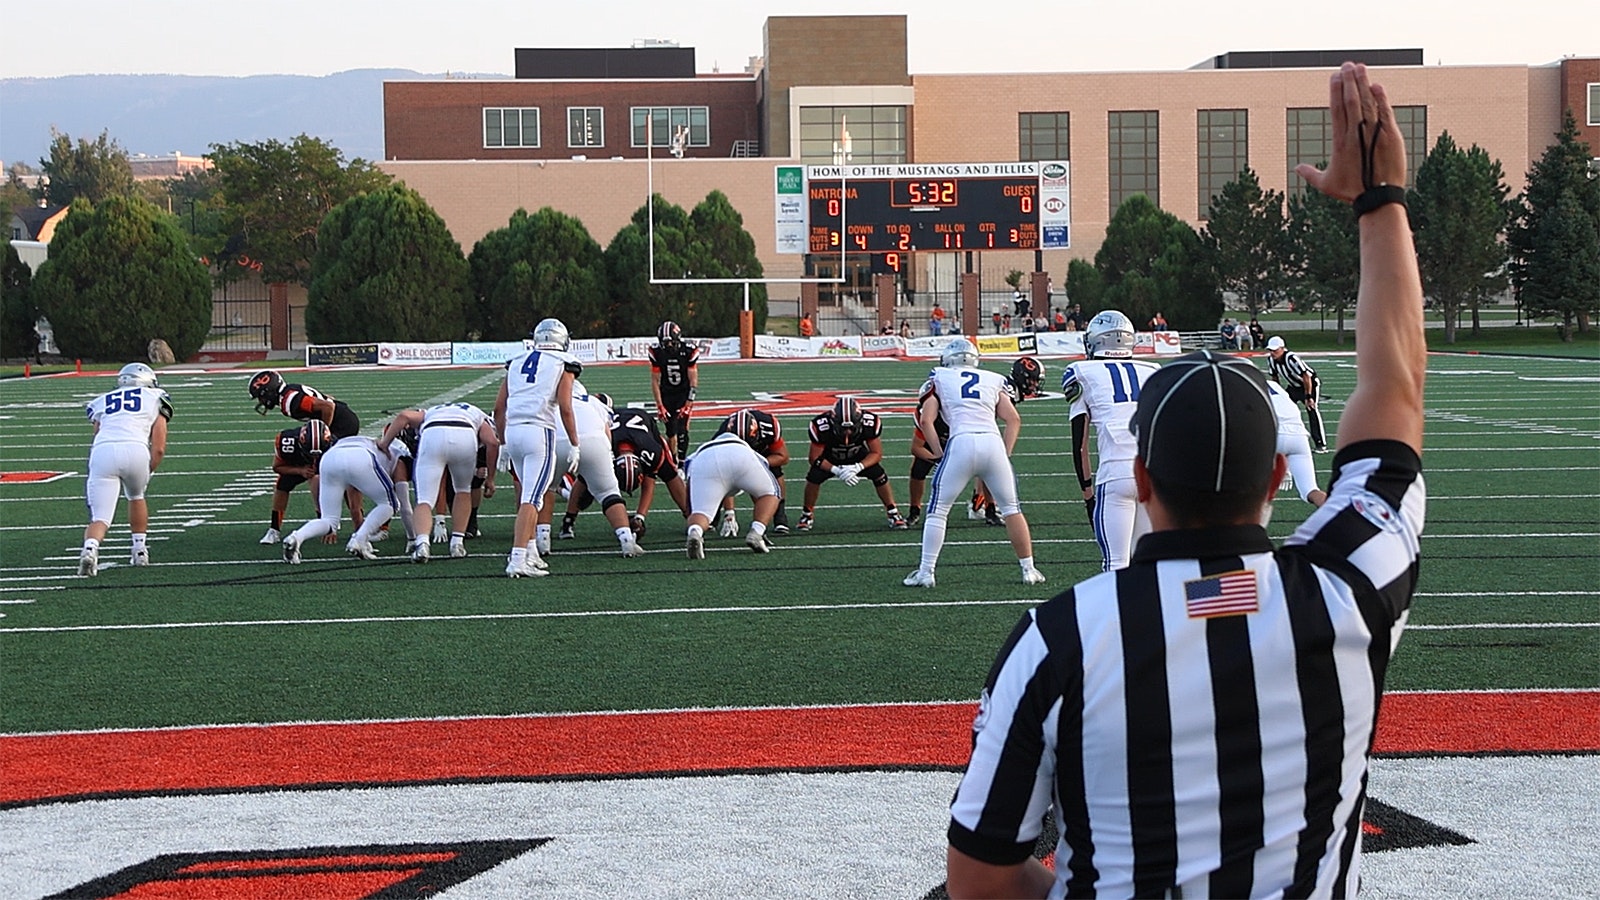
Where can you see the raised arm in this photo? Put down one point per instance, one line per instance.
(1369, 166)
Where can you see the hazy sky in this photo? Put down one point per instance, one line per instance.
(316, 38)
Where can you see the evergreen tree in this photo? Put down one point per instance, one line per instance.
(722, 248)
(638, 306)
(538, 266)
(1570, 289)
(119, 275)
(93, 171)
(275, 196)
(1152, 260)
(1084, 285)
(1246, 240)
(1563, 167)
(17, 312)
(1458, 211)
(387, 269)
(1324, 255)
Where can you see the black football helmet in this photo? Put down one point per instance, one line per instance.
(669, 334)
(1025, 375)
(846, 414)
(314, 438)
(630, 471)
(745, 426)
(266, 386)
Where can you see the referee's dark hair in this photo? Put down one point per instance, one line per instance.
(1208, 439)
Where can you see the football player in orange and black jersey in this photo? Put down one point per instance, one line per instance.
(641, 458)
(922, 458)
(295, 462)
(673, 363)
(846, 443)
(298, 401)
(762, 432)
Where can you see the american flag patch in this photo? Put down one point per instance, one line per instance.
(1228, 594)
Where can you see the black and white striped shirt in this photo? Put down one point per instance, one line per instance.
(1198, 723)
(1290, 371)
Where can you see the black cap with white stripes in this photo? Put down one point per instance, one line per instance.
(1205, 422)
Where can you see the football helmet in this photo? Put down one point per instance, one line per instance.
(550, 334)
(669, 334)
(959, 353)
(314, 437)
(604, 398)
(136, 375)
(266, 386)
(846, 414)
(1109, 336)
(1025, 375)
(630, 471)
(745, 426)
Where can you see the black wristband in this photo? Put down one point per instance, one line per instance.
(1381, 195)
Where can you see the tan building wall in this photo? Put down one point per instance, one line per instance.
(826, 50)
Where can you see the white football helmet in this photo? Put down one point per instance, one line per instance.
(137, 375)
(959, 353)
(550, 334)
(1109, 336)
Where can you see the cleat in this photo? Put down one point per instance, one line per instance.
(919, 578)
(757, 542)
(382, 535)
(1031, 575)
(992, 517)
(780, 522)
(695, 547)
(271, 537)
(524, 571)
(1321, 448)
(631, 548)
(975, 508)
(472, 533)
(420, 553)
(360, 549)
(140, 557)
(730, 525)
(567, 533)
(915, 517)
(806, 521)
(458, 550)
(89, 562)
(538, 562)
(441, 531)
(898, 522)
(291, 550)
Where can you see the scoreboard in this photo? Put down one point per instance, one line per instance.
(942, 207)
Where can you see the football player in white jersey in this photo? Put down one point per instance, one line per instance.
(355, 462)
(1103, 391)
(970, 398)
(130, 439)
(450, 435)
(1294, 442)
(534, 401)
(591, 460)
(721, 467)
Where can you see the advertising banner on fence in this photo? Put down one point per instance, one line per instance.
(1024, 342)
(775, 347)
(485, 353)
(882, 345)
(1161, 343)
(403, 354)
(341, 354)
(1060, 343)
(719, 348)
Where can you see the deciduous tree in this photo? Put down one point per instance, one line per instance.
(94, 170)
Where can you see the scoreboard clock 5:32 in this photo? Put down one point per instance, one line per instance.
(940, 207)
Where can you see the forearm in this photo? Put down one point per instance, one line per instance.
(1391, 349)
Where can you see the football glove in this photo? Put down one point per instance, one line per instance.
(1088, 504)
(573, 457)
(730, 524)
(849, 474)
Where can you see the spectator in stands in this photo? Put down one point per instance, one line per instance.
(1229, 334)
(905, 329)
(996, 319)
(1258, 334)
(936, 320)
(807, 329)
(1079, 320)
(1158, 322)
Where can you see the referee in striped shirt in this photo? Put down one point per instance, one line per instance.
(1301, 383)
(1198, 723)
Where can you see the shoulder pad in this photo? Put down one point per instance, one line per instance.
(166, 406)
(573, 366)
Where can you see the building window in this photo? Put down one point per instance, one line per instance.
(511, 127)
(1044, 136)
(658, 125)
(876, 134)
(1134, 152)
(586, 126)
(1594, 104)
(1413, 122)
(1309, 139)
(1223, 150)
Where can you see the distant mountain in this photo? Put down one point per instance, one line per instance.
(159, 114)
